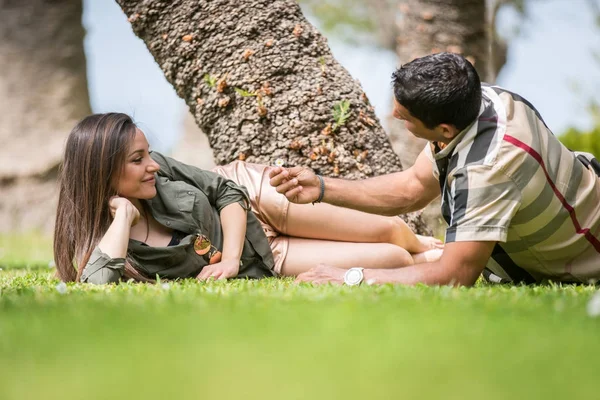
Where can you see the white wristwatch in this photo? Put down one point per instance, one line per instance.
(354, 276)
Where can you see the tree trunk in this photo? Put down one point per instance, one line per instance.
(498, 48)
(43, 90)
(431, 26)
(262, 84)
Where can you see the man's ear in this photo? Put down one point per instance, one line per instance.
(448, 131)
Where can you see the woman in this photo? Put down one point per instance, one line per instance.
(124, 212)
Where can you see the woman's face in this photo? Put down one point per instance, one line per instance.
(137, 179)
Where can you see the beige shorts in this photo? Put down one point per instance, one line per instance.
(268, 206)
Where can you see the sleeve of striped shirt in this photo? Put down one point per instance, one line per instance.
(429, 154)
(483, 200)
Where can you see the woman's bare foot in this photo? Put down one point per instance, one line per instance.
(428, 256)
(427, 243)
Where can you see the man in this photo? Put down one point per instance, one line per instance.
(517, 202)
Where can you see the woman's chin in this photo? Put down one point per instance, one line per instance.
(147, 194)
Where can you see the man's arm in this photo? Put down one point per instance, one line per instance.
(461, 263)
(391, 194)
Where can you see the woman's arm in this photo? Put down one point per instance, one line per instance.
(219, 190)
(107, 261)
(115, 240)
(233, 222)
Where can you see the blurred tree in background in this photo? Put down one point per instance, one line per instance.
(43, 93)
(583, 141)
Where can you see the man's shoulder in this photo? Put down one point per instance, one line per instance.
(487, 89)
(511, 101)
(508, 122)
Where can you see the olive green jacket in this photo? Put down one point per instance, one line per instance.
(189, 200)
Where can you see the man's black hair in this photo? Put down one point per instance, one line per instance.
(441, 88)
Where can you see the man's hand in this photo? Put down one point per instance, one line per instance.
(299, 184)
(461, 264)
(221, 270)
(116, 203)
(323, 274)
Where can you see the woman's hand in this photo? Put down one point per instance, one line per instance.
(118, 203)
(222, 270)
(299, 184)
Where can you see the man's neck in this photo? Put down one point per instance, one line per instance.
(439, 146)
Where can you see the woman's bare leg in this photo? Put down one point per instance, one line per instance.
(304, 254)
(327, 222)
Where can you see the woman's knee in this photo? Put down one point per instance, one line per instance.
(392, 256)
(391, 230)
(403, 257)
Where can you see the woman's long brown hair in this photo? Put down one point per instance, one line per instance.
(94, 157)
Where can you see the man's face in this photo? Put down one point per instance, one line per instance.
(414, 125)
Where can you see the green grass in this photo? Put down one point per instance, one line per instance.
(273, 339)
(25, 250)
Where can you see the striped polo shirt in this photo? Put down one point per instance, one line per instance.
(509, 179)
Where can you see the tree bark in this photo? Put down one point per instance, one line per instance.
(262, 84)
(43, 90)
